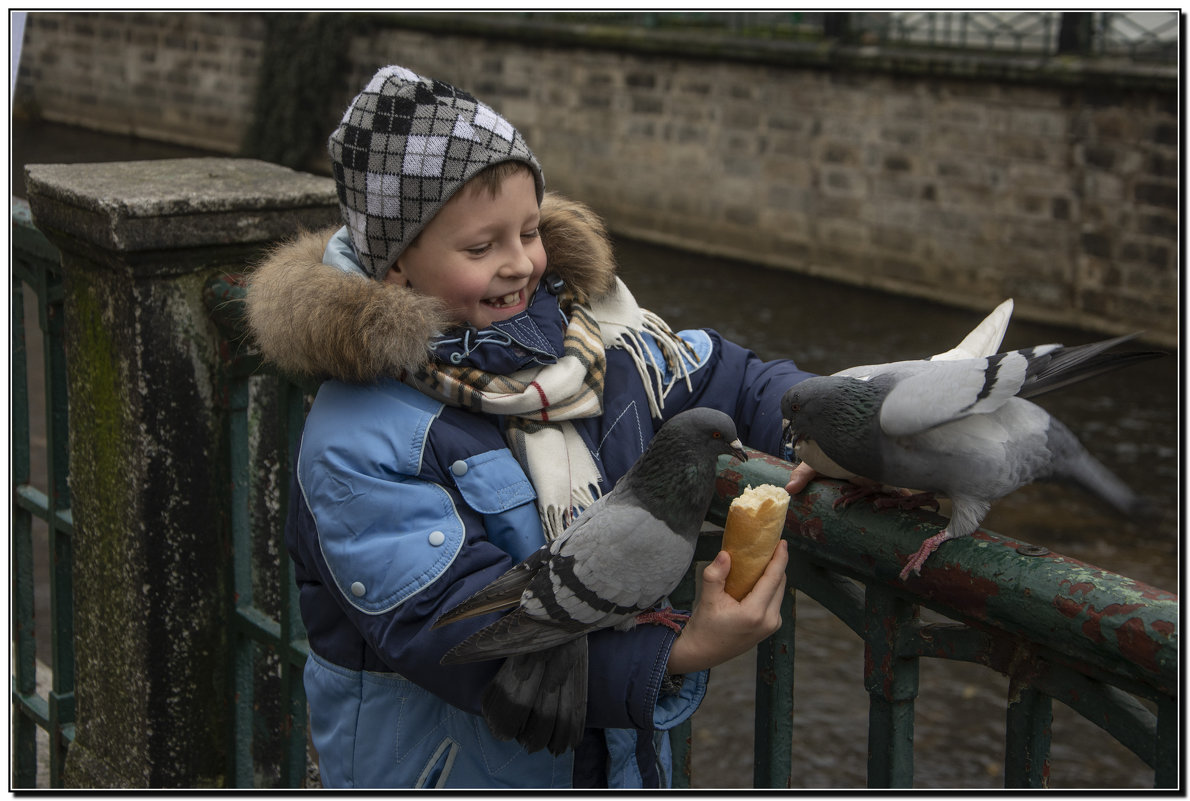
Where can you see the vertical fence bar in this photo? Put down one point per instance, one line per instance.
(680, 736)
(24, 732)
(243, 647)
(773, 766)
(891, 682)
(293, 767)
(61, 699)
(1030, 718)
(1168, 751)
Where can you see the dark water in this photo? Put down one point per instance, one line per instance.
(1129, 419)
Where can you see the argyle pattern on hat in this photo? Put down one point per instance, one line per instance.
(405, 145)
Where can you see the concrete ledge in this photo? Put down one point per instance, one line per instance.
(177, 204)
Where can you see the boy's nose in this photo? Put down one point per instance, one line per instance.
(518, 263)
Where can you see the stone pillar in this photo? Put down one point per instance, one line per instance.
(147, 446)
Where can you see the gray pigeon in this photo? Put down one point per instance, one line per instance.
(984, 340)
(960, 428)
(622, 556)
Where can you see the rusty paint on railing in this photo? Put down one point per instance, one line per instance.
(1053, 624)
(1105, 619)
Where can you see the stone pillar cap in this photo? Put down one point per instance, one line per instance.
(171, 204)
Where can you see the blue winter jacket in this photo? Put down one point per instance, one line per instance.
(403, 507)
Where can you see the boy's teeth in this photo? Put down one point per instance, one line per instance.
(507, 300)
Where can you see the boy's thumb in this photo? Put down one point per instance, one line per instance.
(716, 572)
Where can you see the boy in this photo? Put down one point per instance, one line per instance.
(489, 376)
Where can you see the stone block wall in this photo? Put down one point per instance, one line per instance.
(948, 178)
(183, 78)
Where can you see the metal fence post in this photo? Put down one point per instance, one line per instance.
(773, 723)
(891, 682)
(1027, 741)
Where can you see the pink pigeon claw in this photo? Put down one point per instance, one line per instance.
(664, 617)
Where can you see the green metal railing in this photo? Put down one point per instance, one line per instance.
(35, 268)
(1020, 610)
(1150, 36)
(1100, 643)
(1056, 627)
(268, 639)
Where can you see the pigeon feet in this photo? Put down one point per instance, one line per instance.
(857, 492)
(914, 500)
(928, 547)
(664, 617)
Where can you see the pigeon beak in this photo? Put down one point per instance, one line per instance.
(789, 437)
(737, 450)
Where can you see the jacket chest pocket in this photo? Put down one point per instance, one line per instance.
(494, 484)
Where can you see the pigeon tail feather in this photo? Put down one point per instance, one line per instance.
(1079, 467)
(540, 699)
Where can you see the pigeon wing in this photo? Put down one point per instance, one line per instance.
(1054, 367)
(984, 339)
(625, 562)
(503, 593)
(516, 633)
(927, 394)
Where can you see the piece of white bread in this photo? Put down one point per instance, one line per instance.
(755, 520)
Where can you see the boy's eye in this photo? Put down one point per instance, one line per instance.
(479, 250)
(530, 234)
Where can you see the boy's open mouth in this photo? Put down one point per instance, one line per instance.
(503, 302)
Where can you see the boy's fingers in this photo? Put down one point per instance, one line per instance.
(773, 576)
(802, 475)
(716, 572)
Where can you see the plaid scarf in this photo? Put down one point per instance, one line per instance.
(539, 403)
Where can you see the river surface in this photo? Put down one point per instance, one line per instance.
(1129, 419)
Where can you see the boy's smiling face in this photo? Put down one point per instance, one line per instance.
(481, 254)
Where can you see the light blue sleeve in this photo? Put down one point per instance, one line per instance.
(384, 533)
(674, 709)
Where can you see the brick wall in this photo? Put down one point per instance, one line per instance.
(183, 78)
(962, 185)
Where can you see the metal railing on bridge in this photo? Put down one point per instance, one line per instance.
(1141, 36)
(1018, 609)
(1100, 643)
(35, 270)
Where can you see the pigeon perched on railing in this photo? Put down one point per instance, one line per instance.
(962, 428)
(620, 558)
(984, 340)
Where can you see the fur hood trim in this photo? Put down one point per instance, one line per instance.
(313, 319)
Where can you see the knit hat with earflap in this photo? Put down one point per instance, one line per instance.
(405, 145)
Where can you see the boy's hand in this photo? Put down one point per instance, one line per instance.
(802, 475)
(722, 627)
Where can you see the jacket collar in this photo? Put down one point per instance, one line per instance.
(533, 337)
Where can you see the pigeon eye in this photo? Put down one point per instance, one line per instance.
(717, 435)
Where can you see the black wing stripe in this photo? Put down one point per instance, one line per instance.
(990, 373)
